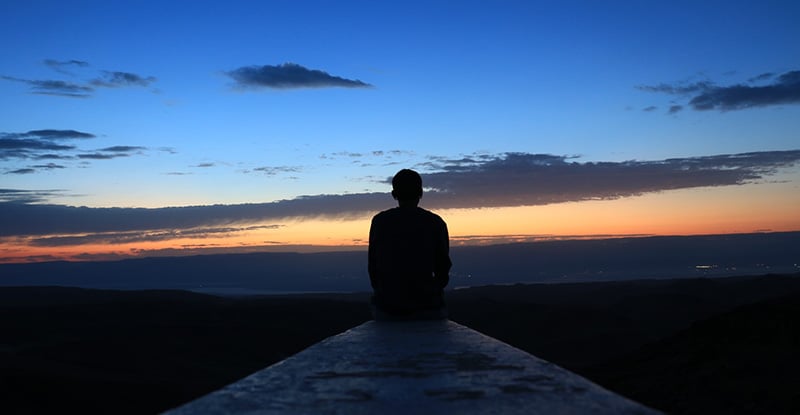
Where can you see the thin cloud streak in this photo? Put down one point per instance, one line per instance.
(505, 180)
(117, 79)
(119, 238)
(58, 65)
(54, 87)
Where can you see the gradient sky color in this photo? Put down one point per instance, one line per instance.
(156, 128)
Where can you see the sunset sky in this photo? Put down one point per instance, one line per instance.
(177, 127)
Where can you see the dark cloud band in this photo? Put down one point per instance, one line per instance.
(512, 179)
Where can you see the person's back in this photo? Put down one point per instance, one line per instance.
(408, 254)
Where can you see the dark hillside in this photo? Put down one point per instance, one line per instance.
(579, 324)
(145, 351)
(66, 349)
(744, 361)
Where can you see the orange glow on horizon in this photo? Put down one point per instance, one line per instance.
(734, 209)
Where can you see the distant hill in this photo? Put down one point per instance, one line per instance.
(552, 261)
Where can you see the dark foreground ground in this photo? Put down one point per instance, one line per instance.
(683, 346)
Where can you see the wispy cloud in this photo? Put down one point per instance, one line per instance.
(677, 89)
(288, 76)
(61, 66)
(123, 149)
(27, 196)
(53, 87)
(36, 143)
(84, 89)
(761, 77)
(48, 166)
(118, 238)
(706, 95)
(478, 181)
(50, 145)
(53, 134)
(22, 171)
(101, 156)
(116, 79)
(112, 152)
(275, 170)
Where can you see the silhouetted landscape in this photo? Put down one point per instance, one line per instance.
(695, 345)
(550, 261)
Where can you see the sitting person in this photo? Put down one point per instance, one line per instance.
(409, 261)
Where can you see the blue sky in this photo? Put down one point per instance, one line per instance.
(404, 84)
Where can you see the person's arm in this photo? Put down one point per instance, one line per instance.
(371, 259)
(442, 259)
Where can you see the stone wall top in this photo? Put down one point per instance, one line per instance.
(412, 368)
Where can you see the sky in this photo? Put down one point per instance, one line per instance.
(167, 128)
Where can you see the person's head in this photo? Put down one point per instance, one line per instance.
(407, 186)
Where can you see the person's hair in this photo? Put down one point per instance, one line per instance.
(407, 185)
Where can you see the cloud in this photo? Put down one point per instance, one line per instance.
(520, 179)
(48, 166)
(478, 181)
(27, 196)
(38, 144)
(54, 87)
(274, 170)
(116, 79)
(118, 238)
(288, 76)
(677, 89)
(123, 149)
(784, 89)
(22, 171)
(20, 145)
(50, 156)
(109, 153)
(49, 144)
(60, 66)
(58, 87)
(674, 109)
(101, 156)
(762, 77)
(57, 134)
(650, 108)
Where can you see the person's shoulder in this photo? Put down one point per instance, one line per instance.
(384, 214)
(431, 215)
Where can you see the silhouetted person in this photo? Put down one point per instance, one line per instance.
(409, 260)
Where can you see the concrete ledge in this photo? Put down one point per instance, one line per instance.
(421, 367)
